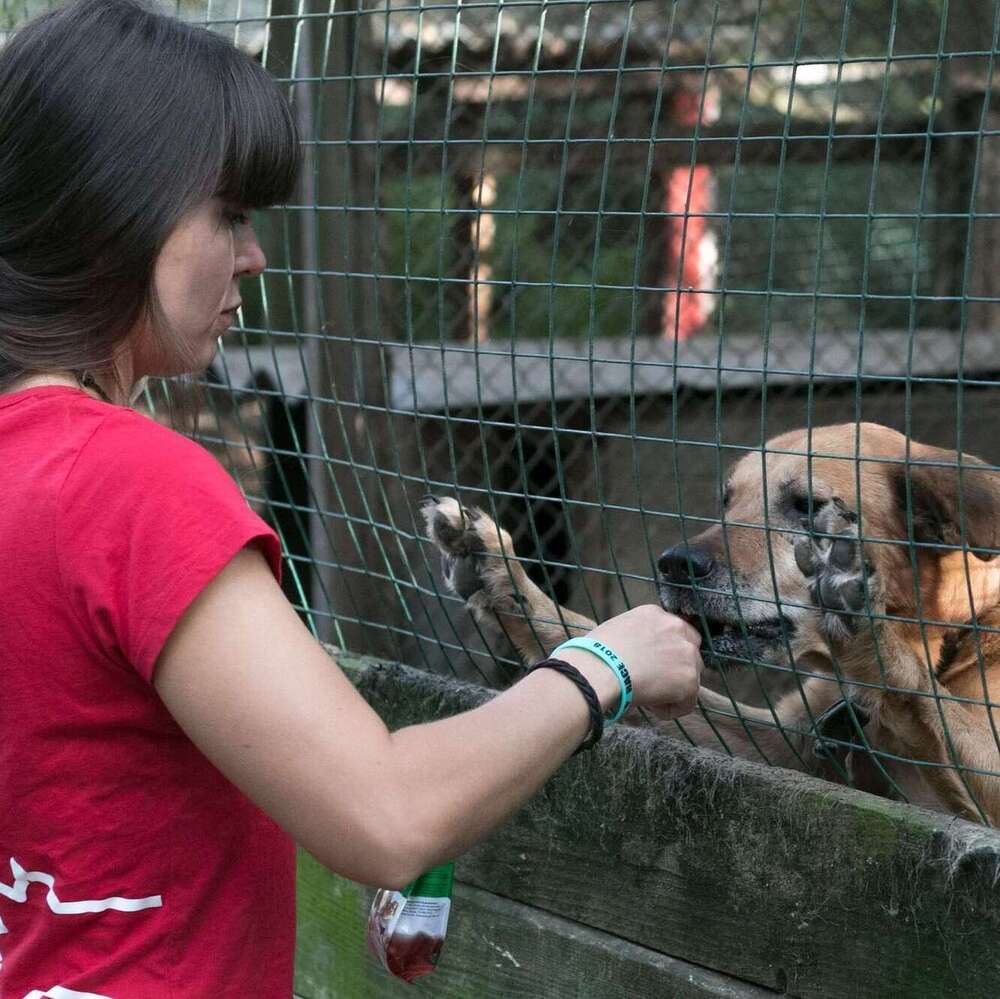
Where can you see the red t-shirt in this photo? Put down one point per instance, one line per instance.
(130, 868)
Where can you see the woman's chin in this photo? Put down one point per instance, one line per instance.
(192, 363)
(207, 350)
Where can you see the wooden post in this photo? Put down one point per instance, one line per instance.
(953, 169)
(652, 272)
(348, 422)
(983, 276)
(472, 234)
(967, 184)
(457, 321)
(484, 194)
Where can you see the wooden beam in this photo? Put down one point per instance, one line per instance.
(496, 948)
(535, 369)
(758, 873)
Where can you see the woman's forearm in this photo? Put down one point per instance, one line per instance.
(260, 698)
(461, 777)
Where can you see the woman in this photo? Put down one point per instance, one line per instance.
(169, 726)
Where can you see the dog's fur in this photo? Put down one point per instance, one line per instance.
(857, 562)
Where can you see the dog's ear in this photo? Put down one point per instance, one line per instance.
(951, 498)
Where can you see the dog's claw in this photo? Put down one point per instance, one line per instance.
(804, 557)
(843, 554)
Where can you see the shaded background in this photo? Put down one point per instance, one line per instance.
(569, 260)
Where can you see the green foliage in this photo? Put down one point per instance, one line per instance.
(796, 248)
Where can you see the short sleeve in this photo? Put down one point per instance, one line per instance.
(146, 519)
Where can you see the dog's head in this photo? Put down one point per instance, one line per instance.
(739, 579)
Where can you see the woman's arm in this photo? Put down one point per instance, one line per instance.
(263, 701)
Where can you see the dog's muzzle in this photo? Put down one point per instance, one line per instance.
(693, 585)
(684, 564)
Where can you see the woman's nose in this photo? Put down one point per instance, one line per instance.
(249, 258)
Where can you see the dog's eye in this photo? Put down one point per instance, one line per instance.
(800, 504)
(727, 497)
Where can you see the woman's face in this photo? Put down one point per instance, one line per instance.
(196, 278)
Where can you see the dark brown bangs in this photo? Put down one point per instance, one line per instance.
(263, 155)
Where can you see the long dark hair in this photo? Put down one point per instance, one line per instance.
(114, 121)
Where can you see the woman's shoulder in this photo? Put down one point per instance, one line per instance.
(127, 448)
(130, 433)
(71, 417)
(54, 432)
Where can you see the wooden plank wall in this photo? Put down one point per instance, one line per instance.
(649, 868)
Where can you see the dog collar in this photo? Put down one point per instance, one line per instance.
(840, 739)
(836, 729)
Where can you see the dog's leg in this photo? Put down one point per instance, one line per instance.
(479, 565)
(779, 736)
(908, 704)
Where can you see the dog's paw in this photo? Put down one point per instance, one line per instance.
(841, 580)
(472, 546)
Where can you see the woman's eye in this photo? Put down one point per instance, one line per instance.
(235, 218)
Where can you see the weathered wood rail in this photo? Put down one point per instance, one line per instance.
(649, 868)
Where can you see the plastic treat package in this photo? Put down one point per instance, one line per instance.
(406, 929)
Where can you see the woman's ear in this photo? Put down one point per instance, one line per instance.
(950, 498)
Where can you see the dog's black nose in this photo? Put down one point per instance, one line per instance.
(682, 563)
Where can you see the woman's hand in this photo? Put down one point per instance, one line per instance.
(661, 652)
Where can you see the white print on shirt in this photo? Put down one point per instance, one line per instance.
(18, 892)
(58, 992)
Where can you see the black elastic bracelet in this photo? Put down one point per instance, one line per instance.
(589, 695)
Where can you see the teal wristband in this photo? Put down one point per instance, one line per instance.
(610, 659)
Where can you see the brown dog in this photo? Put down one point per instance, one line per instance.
(856, 562)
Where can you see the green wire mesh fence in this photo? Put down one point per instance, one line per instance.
(569, 261)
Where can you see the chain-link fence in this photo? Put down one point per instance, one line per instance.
(570, 261)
